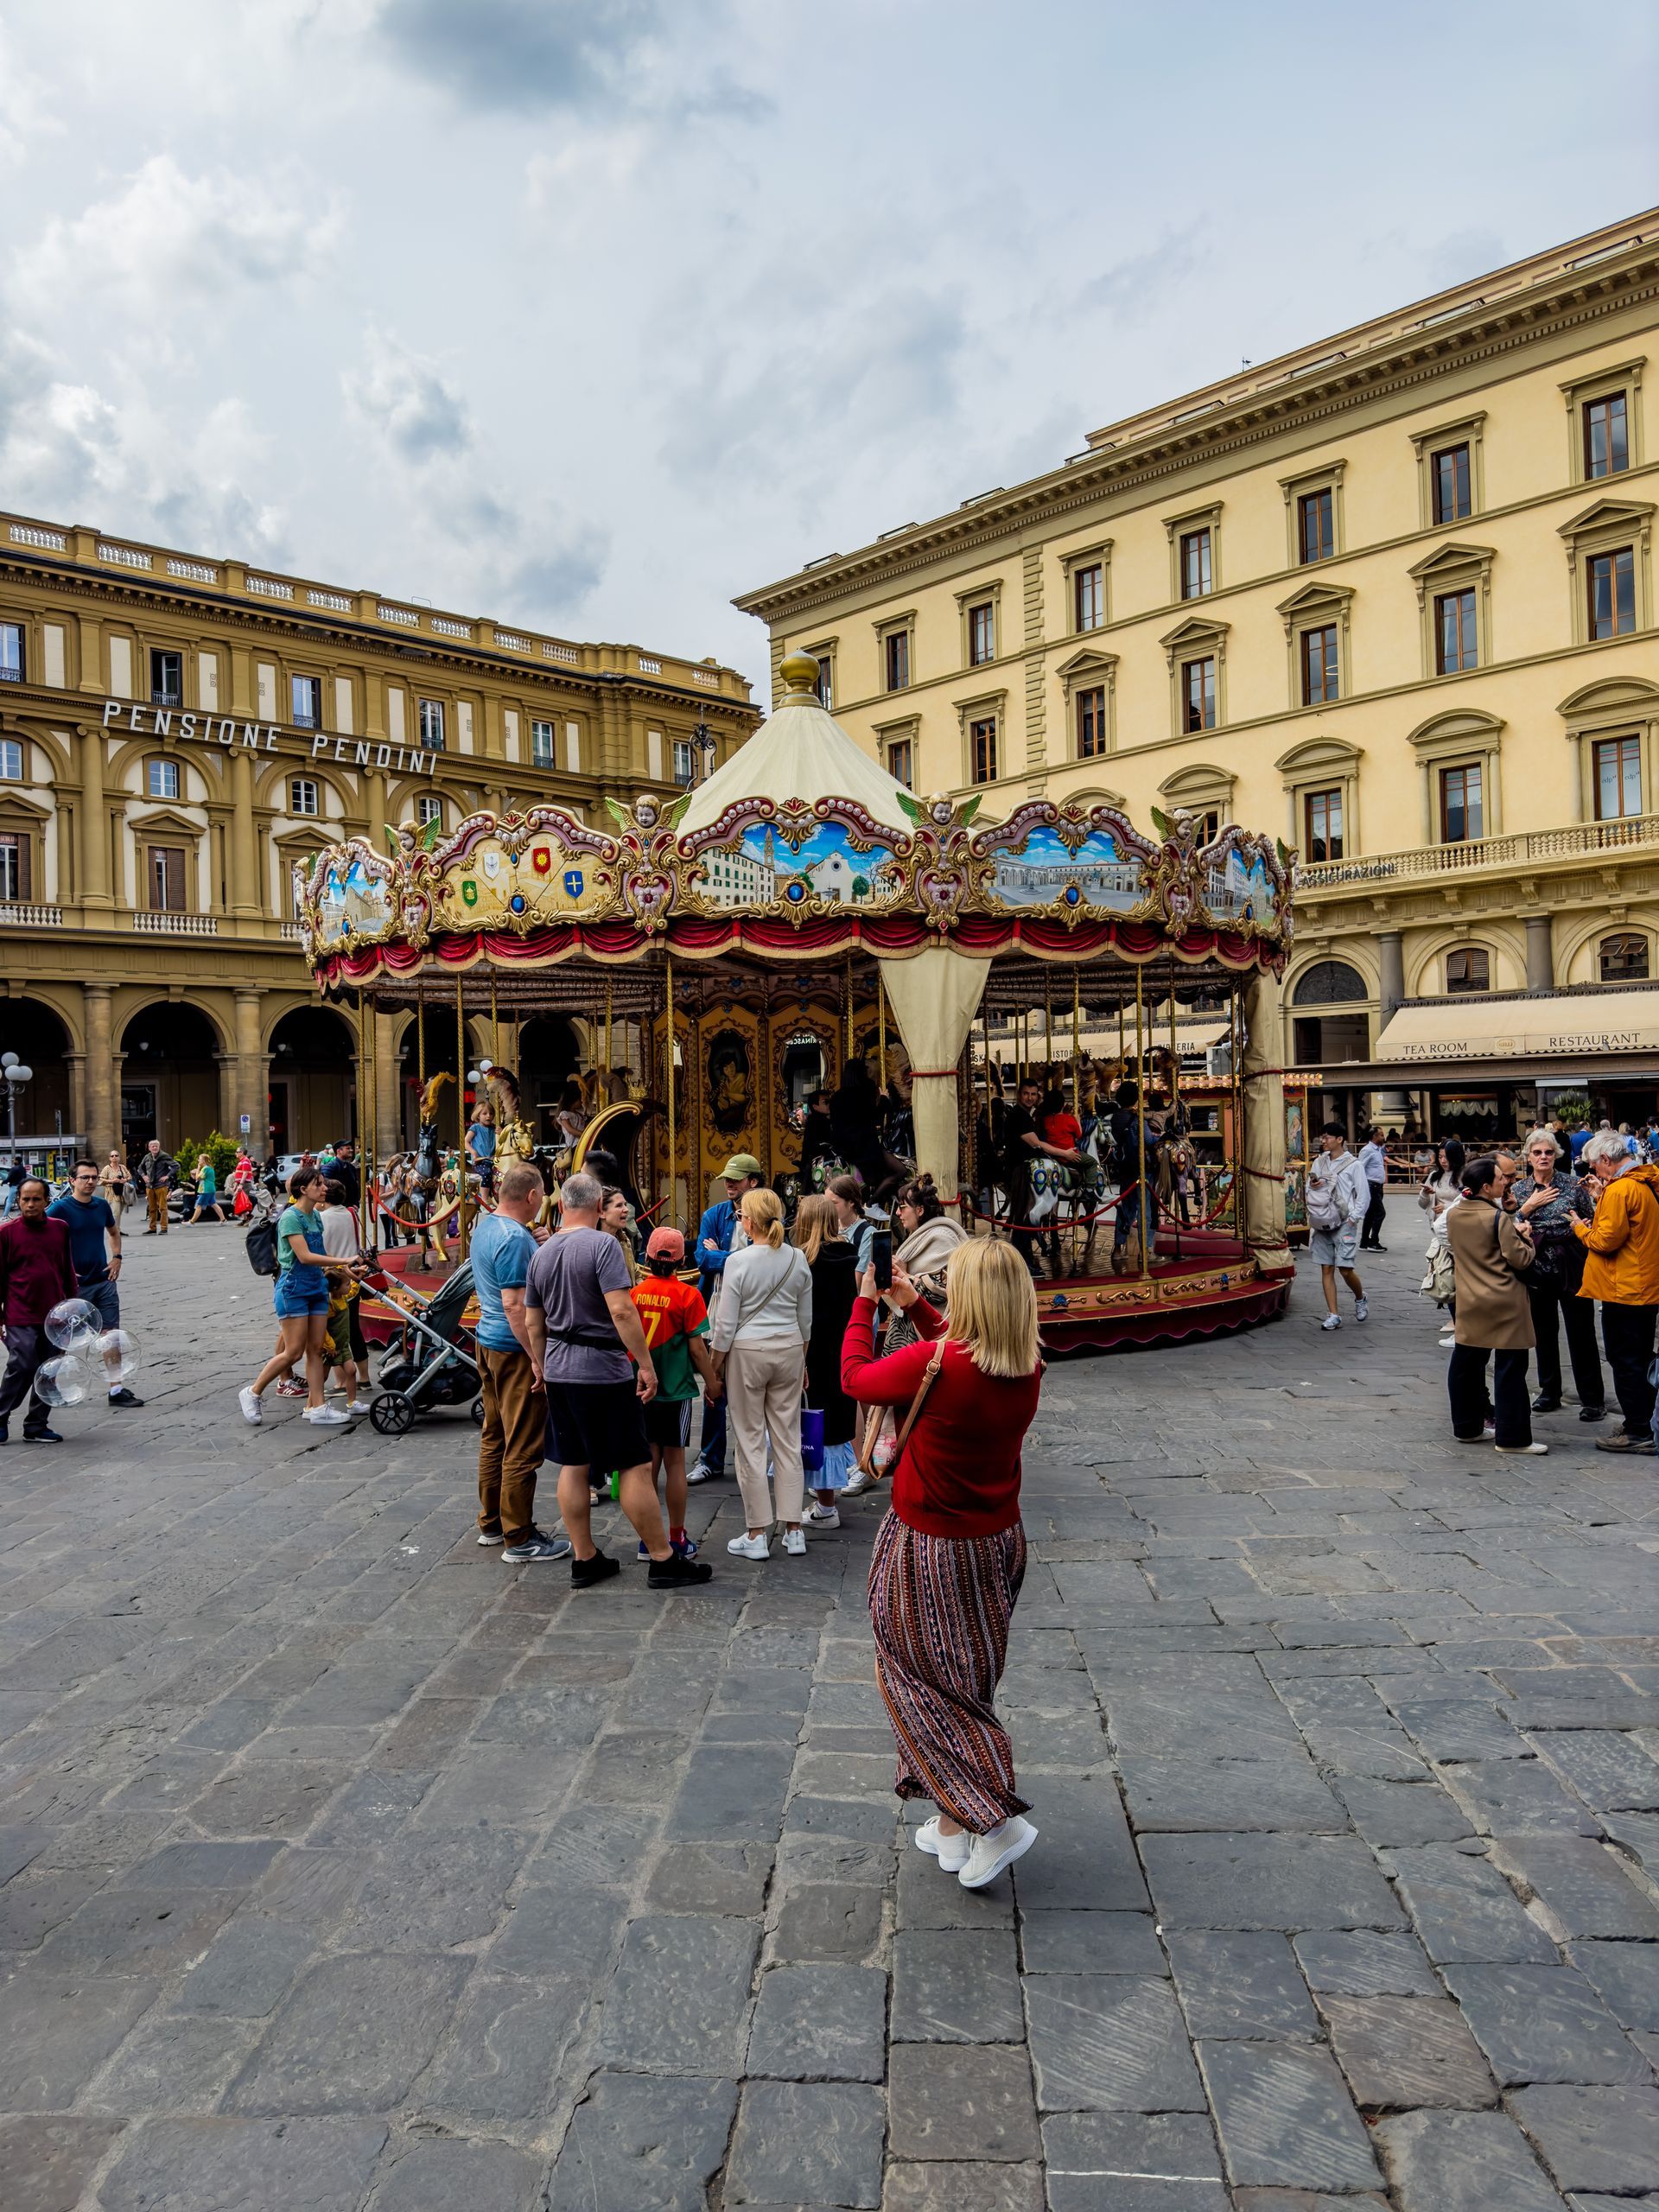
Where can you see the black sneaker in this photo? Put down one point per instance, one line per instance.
(1543, 1404)
(536, 1546)
(678, 1573)
(1592, 1413)
(124, 1397)
(41, 1436)
(585, 1572)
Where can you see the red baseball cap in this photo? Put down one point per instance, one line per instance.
(665, 1244)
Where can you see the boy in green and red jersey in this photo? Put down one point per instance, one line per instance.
(676, 1323)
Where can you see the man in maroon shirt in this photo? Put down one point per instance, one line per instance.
(35, 1274)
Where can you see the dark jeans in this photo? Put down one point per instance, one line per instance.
(27, 1349)
(1548, 1299)
(1627, 1333)
(1375, 1213)
(1466, 1383)
(712, 1449)
(1124, 1219)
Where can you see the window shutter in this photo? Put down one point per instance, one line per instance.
(166, 879)
(25, 866)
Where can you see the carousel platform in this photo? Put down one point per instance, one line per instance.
(1213, 1289)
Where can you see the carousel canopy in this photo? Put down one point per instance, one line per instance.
(800, 752)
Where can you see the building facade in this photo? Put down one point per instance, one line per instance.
(1391, 595)
(176, 732)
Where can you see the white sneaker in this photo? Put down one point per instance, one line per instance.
(1362, 1308)
(1332, 1321)
(860, 1482)
(795, 1543)
(1447, 1341)
(252, 1411)
(747, 1546)
(989, 1854)
(1536, 1449)
(359, 1407)
(950, 1851)
(823, 1516)
(324, 1416)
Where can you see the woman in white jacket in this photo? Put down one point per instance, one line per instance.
(1337, 1195)
(760, 1337)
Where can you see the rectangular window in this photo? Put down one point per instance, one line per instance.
(1610, 579)
(163, 781)
(541, 744)
(166, 679)
(431, 724)
(1455, 643)
(896, 646)
(1451, 498)
(1198, 693)
(685, 771)
(1461, 817)
(981, 746)
(1606, 436)
(1470, 969)
(11, 652)
(1195, 564)
(1322, 816)
(901, 762)
(302, 796)
(1088, 597)
(429, 808)
(826, 685)
(14, 864)
(305, 698)
(1319, 665)
(1091, 722)
(1618, 764)
(981, 635)
(166, 867)
(11, 761)
(1316, 526)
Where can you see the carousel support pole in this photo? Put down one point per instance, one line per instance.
(1048, 1028)
(1236, 1077)
(1263, 1146)
(1076, 1045)
(1140, 1117)
(1175, 1107)
(370, 1119)
(765, 1078)
(460, 1112)
(668, 1068)
(882, 1027)
(495, 1024)
(848, 1003)
(609, 1050)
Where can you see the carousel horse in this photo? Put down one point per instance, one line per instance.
(514, 1138)
(1071, 1195)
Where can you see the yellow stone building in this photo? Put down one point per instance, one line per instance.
(1391, 595)
(176, 731)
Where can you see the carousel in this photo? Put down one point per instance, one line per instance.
(798, 936)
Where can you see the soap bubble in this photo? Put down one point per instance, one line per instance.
(119, 1353)
(60, 1382)
(71, 1325)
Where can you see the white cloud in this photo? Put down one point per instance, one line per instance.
(25, 116)
(164, 232)
(405, 400)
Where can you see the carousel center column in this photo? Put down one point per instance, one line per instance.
(934, 997)
(1264, 1127)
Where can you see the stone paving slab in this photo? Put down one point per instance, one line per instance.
(343, 1868)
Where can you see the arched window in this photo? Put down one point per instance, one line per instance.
(1330, 982)
(1623, 958)
(1469, 969)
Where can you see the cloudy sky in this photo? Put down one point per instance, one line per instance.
(590, 313)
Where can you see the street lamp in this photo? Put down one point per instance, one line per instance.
(13, 1075)
(703, 738)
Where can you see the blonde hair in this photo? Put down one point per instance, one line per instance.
(817, 1223)
(763, 1216)
(992, 1306)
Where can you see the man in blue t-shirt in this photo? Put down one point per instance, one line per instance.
(511, 1447)
(95, 1254)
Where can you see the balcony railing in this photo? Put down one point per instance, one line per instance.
(148, 924)
(20, 915)
(1477, 854)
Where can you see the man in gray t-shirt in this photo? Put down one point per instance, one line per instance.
(586, 1335)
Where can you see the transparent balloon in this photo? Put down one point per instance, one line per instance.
(119, 1352)
(60, 1382)
(72, 1323)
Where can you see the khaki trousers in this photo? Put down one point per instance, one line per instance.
(155, 1208)
(763, 1400)
(510, 1443)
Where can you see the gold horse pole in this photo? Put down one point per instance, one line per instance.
(1140, 1116)
(460, 1110)
(668, 1064)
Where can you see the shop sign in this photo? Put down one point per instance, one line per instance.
(228, 733)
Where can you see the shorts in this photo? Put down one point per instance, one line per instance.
(668, 1421)
(105, 1296)
(1335, 1247)
(598, 1426)
(337, 1348)
(293, 1305)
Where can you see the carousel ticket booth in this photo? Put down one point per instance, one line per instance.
(745, 945)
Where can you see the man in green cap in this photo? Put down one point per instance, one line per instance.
(720, 1233)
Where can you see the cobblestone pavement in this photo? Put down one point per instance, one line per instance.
(344, 1867)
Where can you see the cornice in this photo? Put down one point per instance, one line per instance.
(1421, 358)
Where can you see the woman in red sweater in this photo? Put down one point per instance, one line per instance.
(950, 1556)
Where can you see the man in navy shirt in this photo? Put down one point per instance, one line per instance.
(715, 1233)
(95, 1254)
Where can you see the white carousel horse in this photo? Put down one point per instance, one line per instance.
(1070, 1195)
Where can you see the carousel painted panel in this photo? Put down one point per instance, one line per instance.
(346, 896)
(1064, 861)
(1242, 884)
(520, 872)
(805, 1054)
(764, 857)
(731, 1074)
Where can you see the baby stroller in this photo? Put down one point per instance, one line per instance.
(433, 1360)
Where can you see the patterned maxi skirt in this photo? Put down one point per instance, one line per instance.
(941, 1607)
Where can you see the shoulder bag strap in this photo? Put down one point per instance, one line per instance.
(929, 1377)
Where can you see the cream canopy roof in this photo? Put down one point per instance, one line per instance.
(799, 752)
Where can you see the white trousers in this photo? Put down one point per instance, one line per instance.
(763, 1400)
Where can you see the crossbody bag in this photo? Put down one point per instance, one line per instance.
(930, 1375)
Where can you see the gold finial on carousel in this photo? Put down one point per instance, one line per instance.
(800, 674)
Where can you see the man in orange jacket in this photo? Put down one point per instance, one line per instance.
(1621, 1267)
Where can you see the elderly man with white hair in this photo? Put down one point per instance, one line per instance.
(1621, 1267)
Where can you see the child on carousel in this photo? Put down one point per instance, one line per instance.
(1060, 1128)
